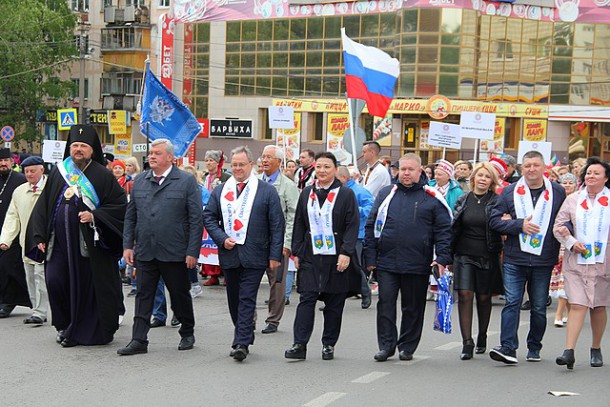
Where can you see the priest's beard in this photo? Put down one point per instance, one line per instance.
(4, 171)
(81, 162)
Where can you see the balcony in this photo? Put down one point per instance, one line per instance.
(130, 14)
(120, 102)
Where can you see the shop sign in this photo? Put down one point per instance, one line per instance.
(231, 128)
(534, 130)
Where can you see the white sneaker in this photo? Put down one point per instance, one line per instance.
(559, 323)
(196, 291)
(121, 317)
(564, 320)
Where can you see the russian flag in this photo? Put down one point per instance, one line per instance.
(370, 75)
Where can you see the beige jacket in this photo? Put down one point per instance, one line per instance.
(18, 215)
(289, 196)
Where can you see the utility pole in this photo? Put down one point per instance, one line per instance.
(83, 51)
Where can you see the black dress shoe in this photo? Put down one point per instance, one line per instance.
(186, 343)
(366, 302)
(297, 351)
(133, 348)
(383, 355)
(269, 329)
(240, 352)
(328, 352)
(60, 337)
(596, 358)
(287, 302)
(6, 311)
(68, 343)
(567, 359)
(404, 355)
(156, 323)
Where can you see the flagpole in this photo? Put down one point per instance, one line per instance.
(444, 151)
(352, 134)
(284, 146)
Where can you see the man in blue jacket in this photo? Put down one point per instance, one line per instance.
(365, 203)
(525, 213)
(244, 217)
(164, 224)
(408, 223)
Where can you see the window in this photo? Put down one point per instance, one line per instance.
(122, 83)
(265, 132)
(164, 3)
(79, 5)
(137, 3)
(316, 129)
(76, 88)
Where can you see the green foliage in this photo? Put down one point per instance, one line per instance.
(36, 41)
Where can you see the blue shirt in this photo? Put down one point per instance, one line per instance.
(271, 179)
(365, 203)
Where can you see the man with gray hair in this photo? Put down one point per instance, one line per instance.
(244, 217)
(512, 174)
(289, 196)
(164, 225)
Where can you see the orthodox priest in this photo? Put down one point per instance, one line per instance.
(13, 285)
(77, 225)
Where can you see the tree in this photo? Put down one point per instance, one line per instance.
(36, 43)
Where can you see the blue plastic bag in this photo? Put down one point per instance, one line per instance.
(444, 304)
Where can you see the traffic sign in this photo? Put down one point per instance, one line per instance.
(7, 133)
(66, 118)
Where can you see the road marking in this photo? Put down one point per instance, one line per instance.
(412, 361)
(325, 399)
(371, 377)
(449, 346)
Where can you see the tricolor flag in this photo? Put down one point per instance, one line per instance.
(370, 75)
(555, 161)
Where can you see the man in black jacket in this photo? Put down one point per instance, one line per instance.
(164, 223)
(408, 224)
(244, 217)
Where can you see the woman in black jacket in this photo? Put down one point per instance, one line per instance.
(476, 251)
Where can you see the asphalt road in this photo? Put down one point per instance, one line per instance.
(38, 372)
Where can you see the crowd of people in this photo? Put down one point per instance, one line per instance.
(498, 228)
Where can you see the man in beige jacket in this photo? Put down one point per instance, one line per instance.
(289, 195)
(15, 224)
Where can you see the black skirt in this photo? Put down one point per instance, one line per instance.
(479, 274)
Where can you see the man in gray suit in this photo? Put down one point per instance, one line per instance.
(245, 219)
(164, 225)
(289, 196)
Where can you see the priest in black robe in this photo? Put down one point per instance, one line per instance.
(13, 285)
(77, 226)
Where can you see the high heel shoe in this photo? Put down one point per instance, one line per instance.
(481, 344)
(567, 359)
(467, 348)
(596, 358)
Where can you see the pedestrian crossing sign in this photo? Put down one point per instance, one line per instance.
(66, 118)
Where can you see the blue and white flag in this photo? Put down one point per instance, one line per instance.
(166, 115)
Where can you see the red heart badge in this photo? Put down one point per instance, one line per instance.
(584, 205)
(521, 190)
(237, 225)
(331, 197)
(230, 196)
(603, 201)
(546, 195)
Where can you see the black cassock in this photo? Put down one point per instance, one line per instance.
(85, 290)
(13, 285)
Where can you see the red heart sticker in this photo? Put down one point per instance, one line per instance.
(237, 225)
(331, 197)
(584, 205)
(521, 190)
(603, 200)
(230, 196)
(546, 195)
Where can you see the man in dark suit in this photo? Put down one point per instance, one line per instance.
(247, 244)
(164, 224)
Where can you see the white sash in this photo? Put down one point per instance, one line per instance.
(382, 212)
(321, 223)
(592, 225)
(541, 214)
(236, 210)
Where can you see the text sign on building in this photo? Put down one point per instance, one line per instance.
(230, 128)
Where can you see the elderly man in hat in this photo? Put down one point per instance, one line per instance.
(77, 224)
(15, 225)
(13, 286)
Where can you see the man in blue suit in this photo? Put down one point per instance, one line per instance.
(244, 217)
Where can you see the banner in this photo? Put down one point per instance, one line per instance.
(209, 251)
(122, 146)
(534, 130)
(336, 125)
(167, 24)
(445, 135)
(117, 122)
(495, 146)
(382, 130)
(290, 139)
(189, 11)
(187, 72)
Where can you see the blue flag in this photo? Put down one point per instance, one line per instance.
(166, 115)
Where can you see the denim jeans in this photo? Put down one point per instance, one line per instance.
(537, 279)
(289, 282)
(160, 307)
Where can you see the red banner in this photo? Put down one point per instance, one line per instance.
(187, 84)
(167, 50)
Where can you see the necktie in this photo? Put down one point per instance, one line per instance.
(34, 188)
(240, 187)
(158, 179)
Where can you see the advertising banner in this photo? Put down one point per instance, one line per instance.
(335, 128)
(534, 130)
